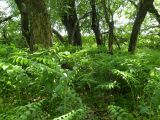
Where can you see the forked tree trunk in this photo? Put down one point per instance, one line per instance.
(95, 23)
(110, 23)
(71, 23)
(145, 6)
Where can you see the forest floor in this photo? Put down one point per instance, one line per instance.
(79, 84)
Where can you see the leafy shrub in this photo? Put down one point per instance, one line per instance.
(66, 79)
(118, 113)
(28, 112)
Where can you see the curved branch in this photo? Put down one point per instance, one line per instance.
(59, 36)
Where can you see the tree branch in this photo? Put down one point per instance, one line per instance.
(150, 27)
(133, 3)
(154, 11)
(6, 19)
(59, 36)
(85, 15)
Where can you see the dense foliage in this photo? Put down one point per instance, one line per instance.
(79, 84)
(102, 62)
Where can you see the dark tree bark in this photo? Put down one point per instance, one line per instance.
(145, 6)
(71, 23)
(24, 22)
(110, 23)
(95, 23)
(40, 25)
(35, 23)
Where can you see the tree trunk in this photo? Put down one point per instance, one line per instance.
(145, 5)
(35, 23)
(110, 23)
(40, 25)
(71, 23)
(95, 23)
(111, 37)
(24, 22)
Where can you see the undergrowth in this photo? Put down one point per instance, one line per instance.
(66, 83)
